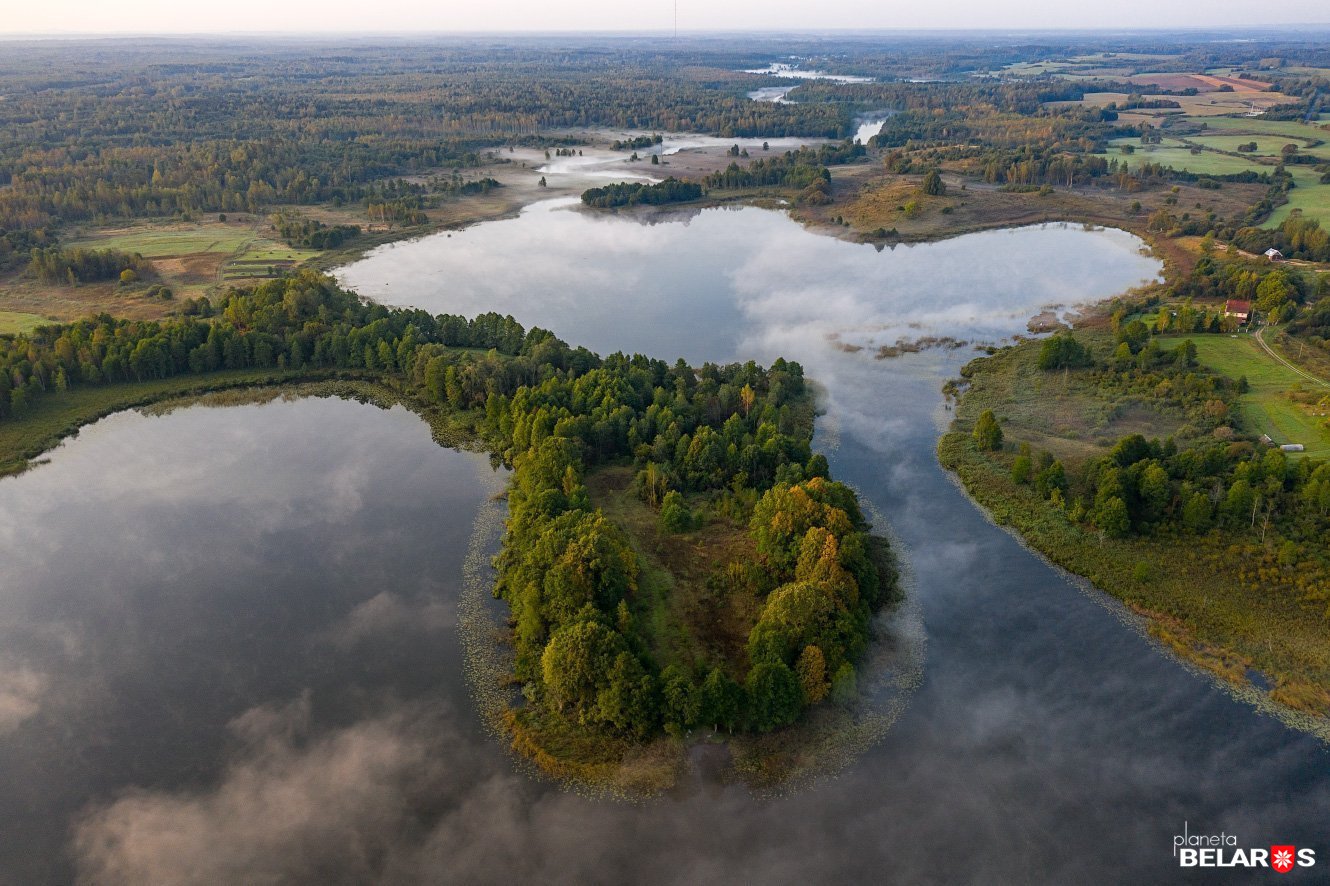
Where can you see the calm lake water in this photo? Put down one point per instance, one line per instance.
(229, 646)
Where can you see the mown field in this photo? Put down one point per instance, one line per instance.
(203, 253)
(1309, 196)
(168, 239)
(1171, 152)
(193, 259)
(1258, 125)
(1266, 145)
(1266, 407)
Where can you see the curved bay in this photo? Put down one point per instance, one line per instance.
(232, 632)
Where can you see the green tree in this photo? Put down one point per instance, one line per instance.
(1239, 502)
(933, 185)
(682, 702)
(1112, 517)
(1063, 351)
(987, 432)
(577, 663)
(1196, 512)
(1134, 335)
(1020, 469)
(1155, 493)
(722, 699)
(627, 703)
(1274, 289)
(674, 514)
(774, 696)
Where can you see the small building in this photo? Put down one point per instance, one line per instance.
(1274, 254)
(1293, 447)
(1238, 309)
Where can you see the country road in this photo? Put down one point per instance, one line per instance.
(1271, 351)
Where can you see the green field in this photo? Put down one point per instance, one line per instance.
(270, 250)
(1304, 70)
(1258, 126)
(15, 322)
(1034, 69)
(1266, 145)
(246, 253)
(1265, 408)
(1173, 153)
(1308, 195)
(157, 243)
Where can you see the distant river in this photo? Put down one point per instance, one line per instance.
(228, 636)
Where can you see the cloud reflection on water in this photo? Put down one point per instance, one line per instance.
(1047, 744)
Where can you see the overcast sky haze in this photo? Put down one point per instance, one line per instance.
(417, 16)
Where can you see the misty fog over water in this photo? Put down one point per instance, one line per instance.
(251, 672)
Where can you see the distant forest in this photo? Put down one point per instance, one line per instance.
(98, 131)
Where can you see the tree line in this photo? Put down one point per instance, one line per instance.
(672, 190)
(56, 264)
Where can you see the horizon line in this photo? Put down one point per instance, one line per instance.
(665, 32)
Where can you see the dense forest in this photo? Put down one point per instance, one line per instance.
(740, 433)
(164, 130)
(98, 133)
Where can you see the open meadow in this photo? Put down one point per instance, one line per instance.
(1266, 407)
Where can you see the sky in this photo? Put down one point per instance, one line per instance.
(417, 16)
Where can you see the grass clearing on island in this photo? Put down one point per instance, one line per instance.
(690, 624)
(1266, 407)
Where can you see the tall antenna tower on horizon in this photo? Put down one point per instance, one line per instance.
(676, 19)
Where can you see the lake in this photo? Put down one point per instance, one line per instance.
(788, 71)
(229, 636)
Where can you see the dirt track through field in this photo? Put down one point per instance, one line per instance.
(1260, 340)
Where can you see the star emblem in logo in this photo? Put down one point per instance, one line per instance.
(1281, 858)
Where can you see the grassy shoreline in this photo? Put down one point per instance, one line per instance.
(54, 419)
(1211, 599)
